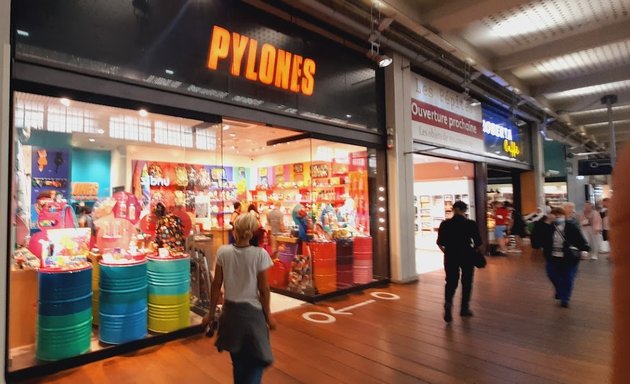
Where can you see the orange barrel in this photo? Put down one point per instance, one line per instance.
(345, 256)
(324, 256)
(362, 267)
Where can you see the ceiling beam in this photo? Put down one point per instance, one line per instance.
(575, 43)
(457, 14)
(589, 102)
(595, 78)
(623, 114)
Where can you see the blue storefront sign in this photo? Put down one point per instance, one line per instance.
(502, 137)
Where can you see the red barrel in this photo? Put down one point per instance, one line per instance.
(362, 271)
(362, 248)
(345, 258)
(324, 256)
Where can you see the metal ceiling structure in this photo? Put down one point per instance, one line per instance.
(551, 59)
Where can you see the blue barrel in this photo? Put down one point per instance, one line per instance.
(169, 294)
(64, 321)
(123, 302)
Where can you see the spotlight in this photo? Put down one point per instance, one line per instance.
(143, 113)
(374, 54)
(65, 101)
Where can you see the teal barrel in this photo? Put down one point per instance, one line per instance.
(169, 294)
(64, 321)
(123, 302)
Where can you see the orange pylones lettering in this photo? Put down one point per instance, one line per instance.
(219, 46)
(267, 64)
(239, 43)
(308, 81)
(250, 71)
(296, 73)
(283, 69)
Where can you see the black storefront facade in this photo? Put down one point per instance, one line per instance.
(156, 92)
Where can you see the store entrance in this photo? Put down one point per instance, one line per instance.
(438, 183)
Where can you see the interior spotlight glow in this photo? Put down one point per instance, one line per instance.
(23, 33)
(143, 113)
(65, 101)
(226, 127)
(381, 198)
(384, 61)
(381, 209)
(348, 116)
(92, 140)
(100, 131)
(381, 189)
(169, 72)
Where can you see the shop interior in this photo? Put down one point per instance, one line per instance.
(438, 183)
(107, 196)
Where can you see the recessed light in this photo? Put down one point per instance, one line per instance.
(23, 33)
(65, 101)
(143, 113)
(92, 140)
(169, 71)
(100, 131)
(232, 134)
(348, 116)
(226, 127)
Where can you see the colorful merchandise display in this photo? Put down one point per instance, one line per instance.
(64, 325)
(169, 292)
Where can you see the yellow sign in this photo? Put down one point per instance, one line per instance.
(84, 191)
(511, 148)
(264, 63)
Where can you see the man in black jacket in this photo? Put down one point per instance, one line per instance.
(558, 236)
(459, 239)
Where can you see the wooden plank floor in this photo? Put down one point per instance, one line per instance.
(518, 335)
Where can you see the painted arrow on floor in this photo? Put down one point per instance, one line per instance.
(344, 311)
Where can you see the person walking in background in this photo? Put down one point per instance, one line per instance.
(548, 207)
(459, 239)
(517, 229)
(275, 220)
(245, 321)
(605, 225)
(501, 221)
(569, 210)
(591, 224)
(235, 214)
(259, 234)
(558, 237)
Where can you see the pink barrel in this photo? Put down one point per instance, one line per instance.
(324, 256)
(362, 271)
(362, 248)
(286, 253)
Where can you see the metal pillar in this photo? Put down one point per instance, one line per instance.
(609, 100)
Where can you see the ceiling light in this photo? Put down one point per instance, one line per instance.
(100, 131)
(169, 71)
(65, 101)
(91, 140)
(232, 134)
(384, 60)
(348, 116)
(474, 103)
(143, 113)
(226, 127)
(233, 147)
(23, 33)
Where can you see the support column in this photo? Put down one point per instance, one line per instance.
(481, 201)
(609, 100)
(538, 162)
(575, 186)
(5, 78)
(400, 171)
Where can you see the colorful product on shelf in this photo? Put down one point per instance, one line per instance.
(169, 293)
(123, 302)
(300, 275)
(362, 268)
(64, 326)
(324, 256)
(94, 257)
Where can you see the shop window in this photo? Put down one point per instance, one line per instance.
(87, 202)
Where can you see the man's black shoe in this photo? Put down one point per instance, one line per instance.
(448, 313)
(466, 313)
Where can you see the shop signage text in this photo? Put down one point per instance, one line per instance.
(84, 191)
(264, 63)
(510, 146)
(151, 181)
(443, 117)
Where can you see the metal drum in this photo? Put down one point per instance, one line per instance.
(362, 268)
(345, 258)
(324, 256)
(64, 326)
(123, 305)
(169, 293)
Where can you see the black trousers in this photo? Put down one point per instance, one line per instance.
(452, 267)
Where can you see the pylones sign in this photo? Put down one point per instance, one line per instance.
(264, 63)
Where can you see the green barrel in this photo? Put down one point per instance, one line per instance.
(169, 294)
